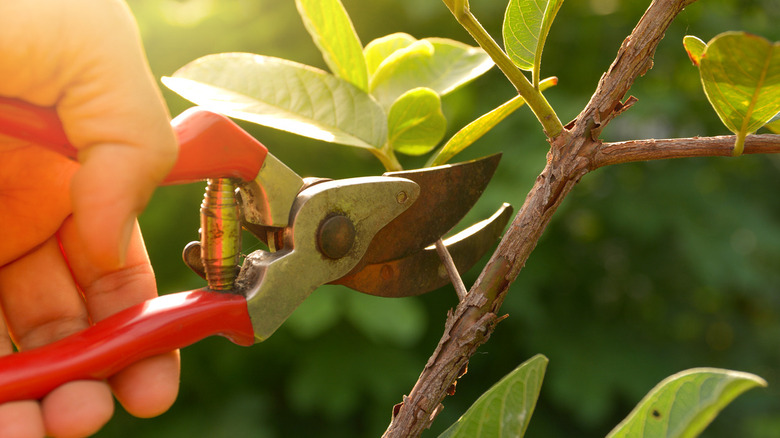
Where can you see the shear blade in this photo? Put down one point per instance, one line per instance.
(447, 193)
(423, 271)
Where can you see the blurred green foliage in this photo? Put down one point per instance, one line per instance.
(647, 269)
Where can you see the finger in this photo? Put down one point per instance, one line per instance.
(148, 387)
(77, 409)
(119, 122)
(39, 297)
(21, 419)
(41, 309)
(34, 194)
(110, 189)
(107, 99)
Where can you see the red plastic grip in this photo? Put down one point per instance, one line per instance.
(153, 327)
(210, 144)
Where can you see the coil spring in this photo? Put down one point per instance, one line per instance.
(220, 234)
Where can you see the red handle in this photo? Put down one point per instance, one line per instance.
(156, 326)
(210, 144)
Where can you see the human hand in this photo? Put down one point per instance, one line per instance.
(71, 251)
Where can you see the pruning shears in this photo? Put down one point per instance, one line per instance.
(372, 234)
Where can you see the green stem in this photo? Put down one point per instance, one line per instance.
(535, 76)
(534, 98)
(739, 144)
(388, 159)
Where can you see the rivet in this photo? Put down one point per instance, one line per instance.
(386, 273)
(336, 236)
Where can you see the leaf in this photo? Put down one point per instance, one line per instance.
(333, 33)
(415, 123)
(284, 95)
(684, 404)
(505, 409)
(694, 47)
(526, 25)
(476, 129)
(436, 63)
(740, 73)
(379, 49)
(773, 126)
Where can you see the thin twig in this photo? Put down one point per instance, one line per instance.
(452, 270)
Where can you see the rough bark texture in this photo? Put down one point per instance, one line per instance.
(573, 153)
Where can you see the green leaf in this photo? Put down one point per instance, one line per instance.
(505, 410)
(333, 33)
(741, 78)
(415, 123)
(379, 49)
(284, 95)
(694, 47)
(436, 63)
(526, 25)
(684, 404)
(773, 126)
(476, 129)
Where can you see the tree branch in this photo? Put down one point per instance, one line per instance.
(573, 153)
(646, 150)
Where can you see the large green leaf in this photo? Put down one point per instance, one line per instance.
(774, 126)
(330, 27)
(415, 123)
(740, 73)
(283, 95)
(436, 63)
(476, 129)
(684, 404)
(526, 25)
(505, 410)
(694, 47)
(379, 49)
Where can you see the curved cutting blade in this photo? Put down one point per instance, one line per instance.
(423, 271)
(447, 193)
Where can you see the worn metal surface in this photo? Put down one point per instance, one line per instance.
(447, 193)
(191, 257)
(275, 283)
(267, 199)
(423, 271)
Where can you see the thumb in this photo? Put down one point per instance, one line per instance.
(110, 189)
(114, 114)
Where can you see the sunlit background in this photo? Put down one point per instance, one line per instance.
(646, 270)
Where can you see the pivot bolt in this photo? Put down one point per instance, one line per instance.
(336, 236)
